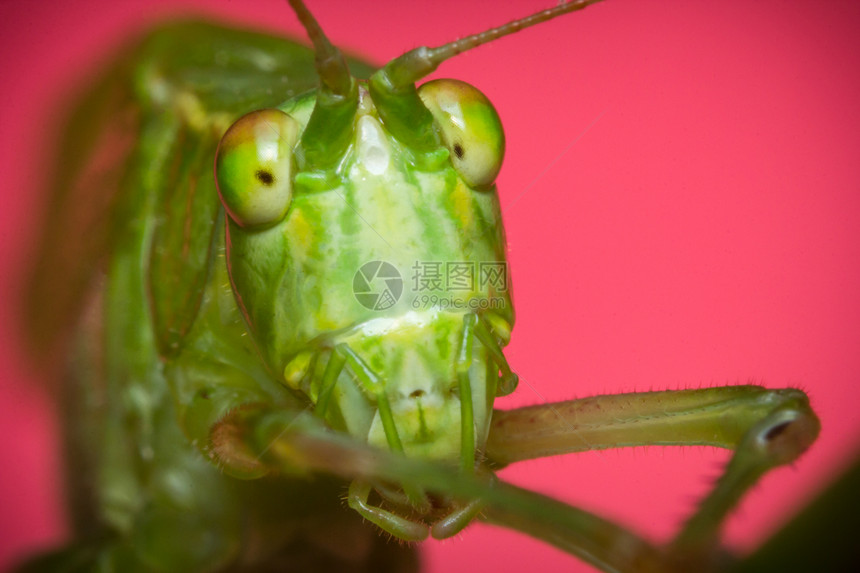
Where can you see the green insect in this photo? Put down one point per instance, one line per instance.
(254, 324)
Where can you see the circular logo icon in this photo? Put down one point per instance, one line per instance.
(377, 285)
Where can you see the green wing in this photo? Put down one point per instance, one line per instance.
(139, 150)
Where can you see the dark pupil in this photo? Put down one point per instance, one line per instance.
(458, 151)
(265, 177)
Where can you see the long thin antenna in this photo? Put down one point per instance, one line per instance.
(330, 64)
(328, 131)
(417, 63)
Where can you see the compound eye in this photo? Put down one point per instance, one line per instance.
(254, 167)
(471, 129)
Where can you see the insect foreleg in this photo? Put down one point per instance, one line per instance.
(359, 492)
(783, 429)
(289, 442)
(765, 428)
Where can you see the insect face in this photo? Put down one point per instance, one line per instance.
(338, 316)
(390, 181)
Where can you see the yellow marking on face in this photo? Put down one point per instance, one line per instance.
(299, 230)
(462, 197)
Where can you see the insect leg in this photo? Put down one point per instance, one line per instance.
(461, 516)
(290, 441)
(509, 380)
(766, 428)
(332, 370)
(777, 438)
(467, 417)
(473, 325)
(369, 380)
(403, 528)
(457, 520)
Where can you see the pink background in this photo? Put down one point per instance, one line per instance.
(681, 199)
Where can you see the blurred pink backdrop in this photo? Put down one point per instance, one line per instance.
(681, 199)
